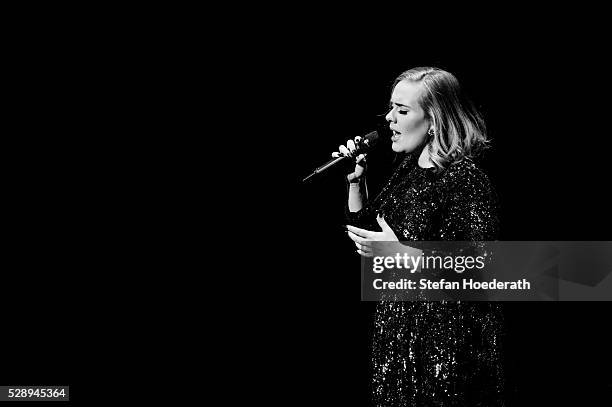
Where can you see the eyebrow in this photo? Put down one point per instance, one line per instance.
(399, 104)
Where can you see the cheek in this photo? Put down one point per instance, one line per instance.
(412, 124)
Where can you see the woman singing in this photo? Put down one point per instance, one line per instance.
(431, 353)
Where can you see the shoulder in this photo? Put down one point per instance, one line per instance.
(466, 177)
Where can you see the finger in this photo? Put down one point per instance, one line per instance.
(344, 150)
(335, 154)
(364, 254)
(355, 238)
(351, 145)
(363, 247)
(362, 233)
(360, 158)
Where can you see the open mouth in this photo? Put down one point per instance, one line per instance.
(396, 135)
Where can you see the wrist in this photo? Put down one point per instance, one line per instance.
(354, 180)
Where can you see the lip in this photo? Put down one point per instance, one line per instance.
(396, 134)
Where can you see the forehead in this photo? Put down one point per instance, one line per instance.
(407, 93)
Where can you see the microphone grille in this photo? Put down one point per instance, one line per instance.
(371, 138)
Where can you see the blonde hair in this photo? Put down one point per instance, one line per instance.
(459, 129)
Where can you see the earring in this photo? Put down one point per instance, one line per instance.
(430, 132)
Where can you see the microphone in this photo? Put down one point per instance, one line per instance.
(362, 147)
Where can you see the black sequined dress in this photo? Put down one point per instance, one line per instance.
(436, 353)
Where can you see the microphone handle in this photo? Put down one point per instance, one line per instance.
(325, 166)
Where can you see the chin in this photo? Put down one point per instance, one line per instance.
(401, 149)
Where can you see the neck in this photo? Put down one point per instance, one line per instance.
(425, 159)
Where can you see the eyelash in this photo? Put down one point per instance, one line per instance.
(403, 112)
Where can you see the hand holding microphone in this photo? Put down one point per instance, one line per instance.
(360, 161)
(357, 148)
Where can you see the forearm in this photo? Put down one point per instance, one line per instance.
(357, 195)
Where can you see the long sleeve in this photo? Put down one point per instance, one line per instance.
(471, 211)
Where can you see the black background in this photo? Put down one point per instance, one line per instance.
(312, 85)
(544, 100)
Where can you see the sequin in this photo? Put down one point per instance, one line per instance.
(436, 353)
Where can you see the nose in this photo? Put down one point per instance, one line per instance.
(390, 116)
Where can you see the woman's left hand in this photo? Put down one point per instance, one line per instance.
(363, 238)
